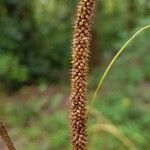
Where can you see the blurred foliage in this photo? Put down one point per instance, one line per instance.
(36, 36)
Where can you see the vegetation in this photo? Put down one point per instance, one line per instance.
(34, 58)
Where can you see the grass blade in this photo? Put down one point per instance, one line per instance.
(111, 64)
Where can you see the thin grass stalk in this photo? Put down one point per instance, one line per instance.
(101, 80)
(111, 129)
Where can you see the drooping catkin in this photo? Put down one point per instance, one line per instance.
(5, 136)
(79, 71)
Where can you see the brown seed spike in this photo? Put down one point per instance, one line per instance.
(5, 136)
(79, 71)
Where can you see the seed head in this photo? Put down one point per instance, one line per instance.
(79, 71)
(5, 136)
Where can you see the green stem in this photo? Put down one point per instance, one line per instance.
(111, 64)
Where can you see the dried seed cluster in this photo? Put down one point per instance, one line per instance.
(80, 54)
(5, 136)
